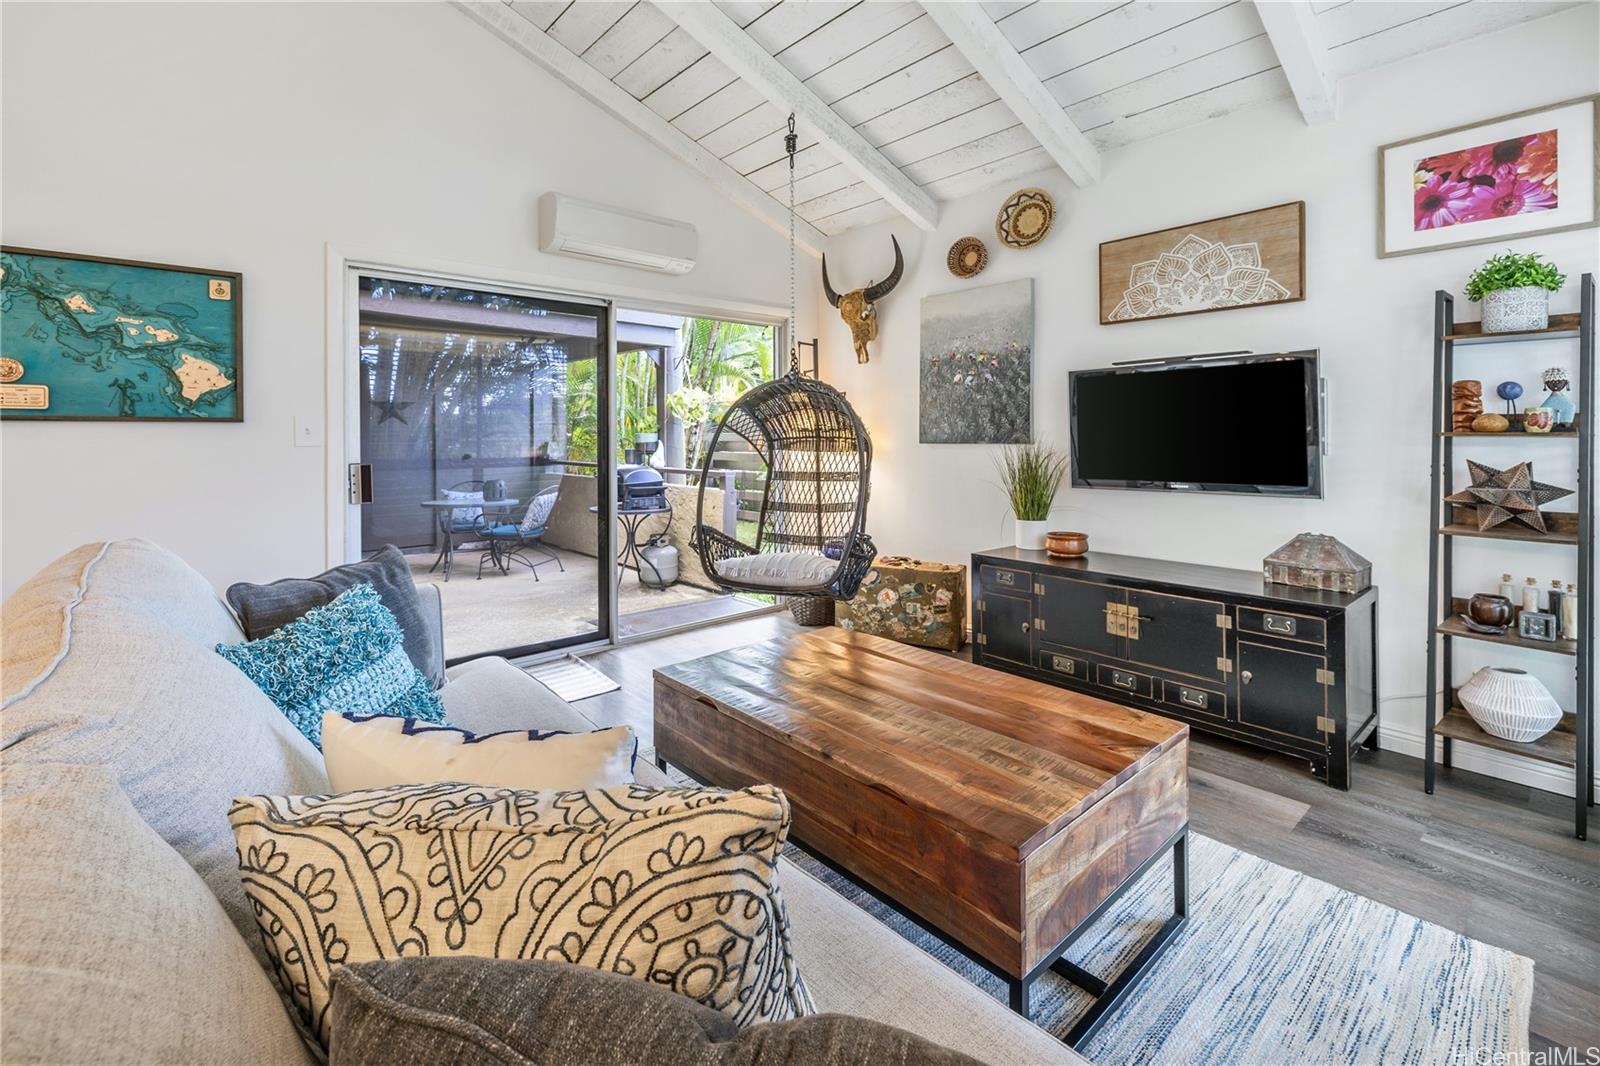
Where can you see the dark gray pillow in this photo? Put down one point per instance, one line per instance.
(455, 1009)
(264, 609)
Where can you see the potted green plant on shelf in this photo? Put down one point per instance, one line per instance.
(1031, 474)
(1515, 290)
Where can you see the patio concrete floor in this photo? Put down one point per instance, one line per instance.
(514, 610)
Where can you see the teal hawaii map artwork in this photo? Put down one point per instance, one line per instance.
(85, 338)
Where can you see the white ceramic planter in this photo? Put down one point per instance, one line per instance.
(1510, 704)
(1510, 310)
(1030, 535)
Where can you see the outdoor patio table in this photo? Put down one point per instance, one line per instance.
(442, 509)
(632, 518)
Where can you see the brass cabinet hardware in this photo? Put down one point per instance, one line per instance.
(1277, 623)
(1122, 680)
(1192, 697)
(1224, 622)
(1224, 665)
(1244, 677)
(1325, 677)
(981, 638)
(978, 606)
(1325, 724)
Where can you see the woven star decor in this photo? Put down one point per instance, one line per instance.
(1507, 495)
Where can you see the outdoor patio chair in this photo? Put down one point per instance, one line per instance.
(510, 543)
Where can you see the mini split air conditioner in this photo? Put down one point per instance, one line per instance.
(587, 230)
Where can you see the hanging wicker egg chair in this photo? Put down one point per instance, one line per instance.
(810, 537)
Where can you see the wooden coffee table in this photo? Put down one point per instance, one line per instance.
(1002, 814)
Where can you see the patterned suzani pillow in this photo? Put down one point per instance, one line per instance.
(672, 886)
(347, 656)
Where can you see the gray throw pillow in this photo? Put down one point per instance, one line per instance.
(264, 609)
(459, 1009)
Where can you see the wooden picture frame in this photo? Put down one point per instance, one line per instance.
(97, 307)
(1249, 259)
(1567, 197)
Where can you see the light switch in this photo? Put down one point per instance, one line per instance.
(307, 431)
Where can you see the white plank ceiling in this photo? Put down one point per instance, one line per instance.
(1120, 71)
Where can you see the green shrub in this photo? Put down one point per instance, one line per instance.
(1512, 271)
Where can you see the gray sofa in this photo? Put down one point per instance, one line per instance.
(124, 933)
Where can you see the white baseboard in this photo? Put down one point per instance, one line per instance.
(1488, 761)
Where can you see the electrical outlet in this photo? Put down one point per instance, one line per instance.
(307, 432)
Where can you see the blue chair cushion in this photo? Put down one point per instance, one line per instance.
(506, 532)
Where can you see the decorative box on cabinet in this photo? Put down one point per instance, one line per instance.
(1289, 669)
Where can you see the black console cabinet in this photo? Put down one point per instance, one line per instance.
(1293, 670)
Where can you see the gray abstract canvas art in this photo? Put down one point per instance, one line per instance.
(977, 365)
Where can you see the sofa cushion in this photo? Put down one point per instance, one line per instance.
(113, 949)
(669, 886)
(264, 609)
(345, 656)
(120, 638)
(855, 964)
(376, 752)
(418, 1012)
(489, 695)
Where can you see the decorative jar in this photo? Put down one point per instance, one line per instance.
(1510, 704)
(1512, 310)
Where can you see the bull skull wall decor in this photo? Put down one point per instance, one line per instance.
(858, 307)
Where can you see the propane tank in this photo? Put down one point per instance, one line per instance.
(658, 562)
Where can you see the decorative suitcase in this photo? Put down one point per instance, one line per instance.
(910, 601)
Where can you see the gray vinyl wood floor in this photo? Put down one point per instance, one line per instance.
(1489, 859)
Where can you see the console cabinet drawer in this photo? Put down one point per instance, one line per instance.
(1283, 624)
(1005, 579)
(1063, 662)
(1128, 682)
(1195, 699)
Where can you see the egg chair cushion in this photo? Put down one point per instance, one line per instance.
(782, 570)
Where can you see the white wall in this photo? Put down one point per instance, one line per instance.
(249, 137)
(1372, 318)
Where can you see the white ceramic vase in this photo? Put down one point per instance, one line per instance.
(1510, 704)
(1510, 310)
(1030, 535)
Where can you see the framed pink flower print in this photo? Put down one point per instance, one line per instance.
(1514, 176)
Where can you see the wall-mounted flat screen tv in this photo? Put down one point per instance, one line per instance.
(1244, 424)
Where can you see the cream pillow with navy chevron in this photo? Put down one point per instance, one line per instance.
(367, 751)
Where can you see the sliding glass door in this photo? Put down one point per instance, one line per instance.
(675, 377)
(483, 419)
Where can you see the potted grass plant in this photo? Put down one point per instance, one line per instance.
(1515, 290)
(1031, 474)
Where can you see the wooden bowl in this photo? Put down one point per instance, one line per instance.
(1066, 544)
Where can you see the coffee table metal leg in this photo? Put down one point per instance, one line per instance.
(1108, 995)
(1020, 987)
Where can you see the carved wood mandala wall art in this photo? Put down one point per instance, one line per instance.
(1244, 260)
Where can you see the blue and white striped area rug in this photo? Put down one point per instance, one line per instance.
(1274, 967)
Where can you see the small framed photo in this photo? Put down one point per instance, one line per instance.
(1514, 176)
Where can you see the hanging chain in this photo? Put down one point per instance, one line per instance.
(789, 143)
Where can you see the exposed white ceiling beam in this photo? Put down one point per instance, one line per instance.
(743, 55)
(550, 54)
(1291, 27)
(976, 36)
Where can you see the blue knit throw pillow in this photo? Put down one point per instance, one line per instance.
(348, 657)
